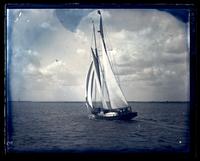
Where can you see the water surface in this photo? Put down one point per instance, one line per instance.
(65, 127)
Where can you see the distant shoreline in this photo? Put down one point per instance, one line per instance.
(84, 101)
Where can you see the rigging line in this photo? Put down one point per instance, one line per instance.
(114, 64)
(112, 57)
(107, 37)
(116, 69)
(99, 44)
(108, 54)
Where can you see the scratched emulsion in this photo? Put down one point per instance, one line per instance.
(65, 127)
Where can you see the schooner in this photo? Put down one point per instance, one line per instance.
(100, 78)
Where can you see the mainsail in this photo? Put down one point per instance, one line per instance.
(117, 99)
(102, 74)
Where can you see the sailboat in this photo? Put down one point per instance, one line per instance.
(101, 80)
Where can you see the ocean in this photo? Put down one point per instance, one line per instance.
(65, 127)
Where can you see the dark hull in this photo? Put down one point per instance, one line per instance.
(127, 116)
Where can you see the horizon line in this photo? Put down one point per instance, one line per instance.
(97, 101)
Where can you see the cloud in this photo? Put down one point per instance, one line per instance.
(44, 57)
(51, 53)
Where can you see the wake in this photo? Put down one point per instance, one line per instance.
(163, 125)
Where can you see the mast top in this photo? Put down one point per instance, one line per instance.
(99, 12)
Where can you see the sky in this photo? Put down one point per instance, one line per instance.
(49, 53)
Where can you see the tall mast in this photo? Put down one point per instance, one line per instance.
(104, 46)
(95, 42)
(101, 31)
(96, 52)
(95, 45)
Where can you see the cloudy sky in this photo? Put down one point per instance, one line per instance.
(49, 53)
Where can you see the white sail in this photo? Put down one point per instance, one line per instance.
(97, 80)
(90, 89)
(89, 82)
(117, 99)
(102, 74)
(101, 84)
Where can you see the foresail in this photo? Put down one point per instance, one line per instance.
(117, 99)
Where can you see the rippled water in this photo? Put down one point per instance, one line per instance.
(60, 127)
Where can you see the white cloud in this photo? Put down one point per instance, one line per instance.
(50, 62)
